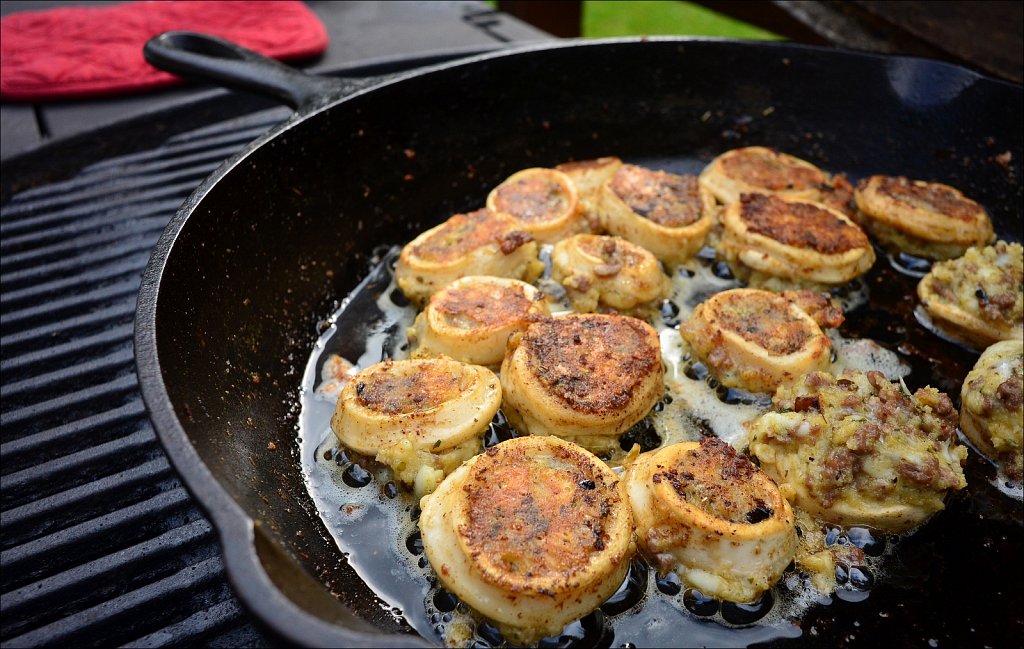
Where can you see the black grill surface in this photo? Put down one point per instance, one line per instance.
(101, 544)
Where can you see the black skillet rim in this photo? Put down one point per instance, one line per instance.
(243, 566)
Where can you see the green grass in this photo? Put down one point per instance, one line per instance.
(602, 18)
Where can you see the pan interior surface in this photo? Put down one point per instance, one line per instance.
(270, 249)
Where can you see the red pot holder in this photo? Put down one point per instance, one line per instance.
(79, 52)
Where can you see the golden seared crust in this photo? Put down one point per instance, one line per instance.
(481, 304)
(463, 233)
(606, 271)
(533, 534)
(582, 377)
(771, 170)
(859, 450)
(762, 170)
(544, 201)
(793, 239)
(401, 393)
(589, 175)
(710, 514)
(758, 340)
(801, 225)
(991, 410)
(664, 198)
(477, 243)
(777, 330)
(471, 319)
(922, 218)
(716, 479)
(592, 363)
(665, 213)
(532, 198)
(435, 404)
(529, 519)
(934, 197)
(978, 298)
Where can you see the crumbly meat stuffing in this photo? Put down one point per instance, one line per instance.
(511, 241)
(1009, 392)
(614, 256)
(865, 437)
(991, 405)
(986, 282)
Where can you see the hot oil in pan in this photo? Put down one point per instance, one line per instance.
(373, 520)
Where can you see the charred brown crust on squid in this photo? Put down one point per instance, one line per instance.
(817, 305)
(533, 198)
(930, 196)
(922, 218)
(403, 393)
(771, 171)
(529, 521)
(474, 305)
(464, 232)
(800, 224)
(593, 364)
(715, 479)
(665, 198)
(768, 327)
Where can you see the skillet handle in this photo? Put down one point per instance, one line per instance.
(203, 57)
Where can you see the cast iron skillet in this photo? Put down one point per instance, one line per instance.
(242, 279)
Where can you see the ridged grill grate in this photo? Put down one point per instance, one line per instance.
(101, 543)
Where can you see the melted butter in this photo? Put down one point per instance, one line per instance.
(696, 409)
(1002, 482)
(378, 534)
(862, 354)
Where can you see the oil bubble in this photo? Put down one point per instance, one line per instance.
(669, 584)
(749, 612)
(873, 545)
(700, 604)
(414, 543)
(632, 590)
(445, 601)
(861, 578)
(356, 476)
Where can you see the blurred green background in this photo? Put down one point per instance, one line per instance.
(604, 18)
(648, 18)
